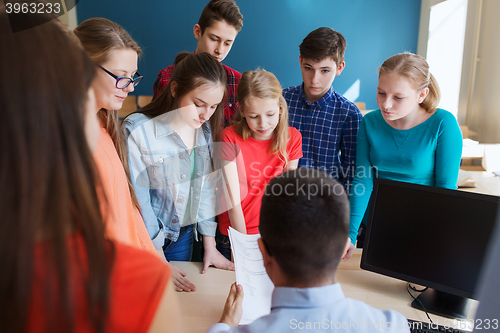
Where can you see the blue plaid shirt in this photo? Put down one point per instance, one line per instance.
(329, 129)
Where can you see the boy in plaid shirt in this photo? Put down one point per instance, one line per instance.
(215, 32)
(327, 121)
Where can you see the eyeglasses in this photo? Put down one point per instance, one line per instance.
(122, 82)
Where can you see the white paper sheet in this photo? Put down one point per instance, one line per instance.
(251, 274)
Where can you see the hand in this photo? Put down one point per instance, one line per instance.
(179, 280)
(213, 257)
(233, 310)
(348, 251)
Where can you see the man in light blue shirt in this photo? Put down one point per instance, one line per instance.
(304, 229)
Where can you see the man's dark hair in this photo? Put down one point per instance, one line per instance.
(323, 43)
(304, 223)
(221, 10)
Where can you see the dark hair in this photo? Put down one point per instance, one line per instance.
(48, 172)
(99, 37)
(221, 10)
(416, 69)
(323, 43)
(304, 223)
(191, 71)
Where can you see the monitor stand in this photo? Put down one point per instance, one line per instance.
(443, 304)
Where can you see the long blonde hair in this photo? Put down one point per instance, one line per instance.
(263, 84)
(99, 37)
(416, 69)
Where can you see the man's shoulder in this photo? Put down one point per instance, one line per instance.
(294, 97)
(291, 91)
(232, 72)
(365, 315)
(336, 97)
(350, 313)
(338, 101)
(270, 323)
(167, 70)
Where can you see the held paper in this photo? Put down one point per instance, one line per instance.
(251, 274)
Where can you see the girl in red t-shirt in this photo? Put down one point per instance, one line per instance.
(258, 147)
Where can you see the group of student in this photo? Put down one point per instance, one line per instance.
(90, 196)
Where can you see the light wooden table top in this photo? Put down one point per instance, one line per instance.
(202, 308)
(485, 183)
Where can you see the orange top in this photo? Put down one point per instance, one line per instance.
(123, 220)
(138, 281)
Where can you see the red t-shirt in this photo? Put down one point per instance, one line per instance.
(259, 168)
(138, 282)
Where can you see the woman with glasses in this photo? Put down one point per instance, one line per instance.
(115, 53)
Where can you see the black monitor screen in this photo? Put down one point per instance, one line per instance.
(429, 236)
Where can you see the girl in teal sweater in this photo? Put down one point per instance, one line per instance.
(408, 139)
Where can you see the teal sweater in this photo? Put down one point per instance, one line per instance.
(427, 154)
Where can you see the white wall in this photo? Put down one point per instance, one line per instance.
(445, 47)
(484, 108)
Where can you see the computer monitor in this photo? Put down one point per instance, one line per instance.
(430, 236)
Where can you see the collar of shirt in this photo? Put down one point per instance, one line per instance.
(320, 104)
(306, 297)
(162, 128)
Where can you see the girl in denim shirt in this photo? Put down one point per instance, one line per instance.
(169, 148)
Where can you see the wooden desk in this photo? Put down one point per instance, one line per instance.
(202, 308)
(486, 183)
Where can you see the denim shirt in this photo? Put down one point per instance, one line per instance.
(160, 169)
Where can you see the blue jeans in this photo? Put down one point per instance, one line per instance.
(182, 249)
(223, 244)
